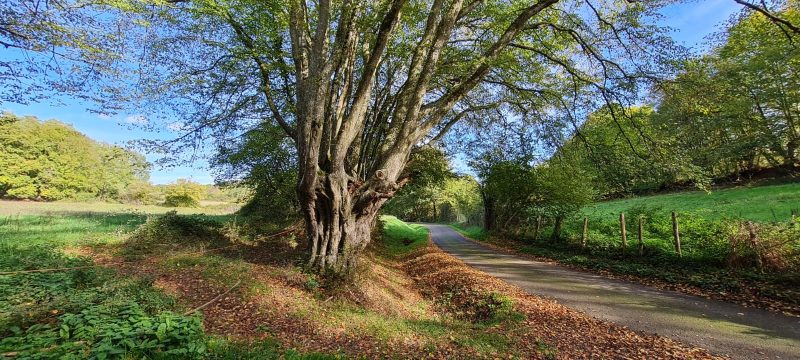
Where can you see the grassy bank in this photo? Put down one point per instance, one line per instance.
(400, 238)
(759, 203)
(471, 231)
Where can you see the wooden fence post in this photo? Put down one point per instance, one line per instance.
(585, 229)
(676, 234)
(624, 234)
(641, 240)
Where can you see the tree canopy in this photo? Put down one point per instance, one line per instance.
(49, 160)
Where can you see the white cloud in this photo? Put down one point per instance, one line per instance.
(176, 126)
(136, 120)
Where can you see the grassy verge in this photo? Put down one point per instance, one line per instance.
(471, 231)
(400, 238)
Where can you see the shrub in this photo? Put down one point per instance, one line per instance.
(183, 193)
(769, 247)
(141, 193)
(173, 231)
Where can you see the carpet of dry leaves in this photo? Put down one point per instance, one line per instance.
(391, 312)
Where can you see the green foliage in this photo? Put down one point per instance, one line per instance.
(562, 188)
(435, 193)
(86, 313)
(183, 193)
(51, 161)
(428, 166)
(730, 109)
(624, 152)
(102, 331)
(518, 193)
(264, 160)
(141, 193)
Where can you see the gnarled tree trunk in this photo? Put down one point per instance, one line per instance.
(339, 216)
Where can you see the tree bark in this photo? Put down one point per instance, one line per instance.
(557, 227)
(339, 216)
(489, 216)
(334, 106)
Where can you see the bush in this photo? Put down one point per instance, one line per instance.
(141, 193)
(172, 231)
(183, 193)
(768, 247)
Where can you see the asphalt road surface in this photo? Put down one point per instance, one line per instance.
(723, 328)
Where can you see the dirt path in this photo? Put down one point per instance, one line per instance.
(724, 328)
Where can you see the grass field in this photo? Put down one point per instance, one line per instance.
(762, 203)
(18, 208)
(96, 312)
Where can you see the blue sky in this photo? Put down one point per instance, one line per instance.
(692, 22)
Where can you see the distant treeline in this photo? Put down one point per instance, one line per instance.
(50, 160)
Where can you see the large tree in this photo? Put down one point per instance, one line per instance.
(358, 86)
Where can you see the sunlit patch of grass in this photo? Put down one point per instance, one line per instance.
(471, 231)
(400, 238)
(758, 203)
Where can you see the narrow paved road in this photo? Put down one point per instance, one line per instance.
(721, 327)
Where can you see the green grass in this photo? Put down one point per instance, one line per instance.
(20, 208)
(96, 312)
(760, 203)
(400, 238)
(473, 232)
